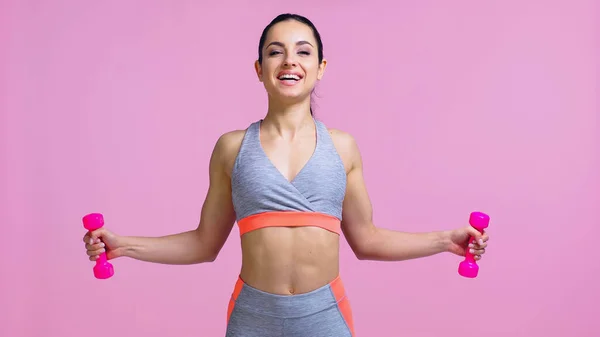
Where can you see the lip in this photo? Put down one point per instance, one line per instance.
(289, 72)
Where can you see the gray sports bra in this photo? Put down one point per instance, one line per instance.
(263, 197)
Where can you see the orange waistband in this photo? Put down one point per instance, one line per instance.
(289, 219)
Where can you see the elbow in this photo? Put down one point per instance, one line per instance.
(205, 253)
(363, 255)
(206, 250)
(365, 245)
(208, 260)
(211, 257)
(210, 251)
(363, 251)
(207, 256)
(203, 258)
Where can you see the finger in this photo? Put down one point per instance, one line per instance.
(475, 234)
(95, 252)
(477, 257)
(96, 236)
(476, 245)
(485, 237)
(479, 241)
(93, 258)
(86, 237)
(95, 246)
(95, 249)
(477, 251)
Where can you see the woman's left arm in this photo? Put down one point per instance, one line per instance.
(370, 242)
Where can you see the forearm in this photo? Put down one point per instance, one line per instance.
(177, 249)
(381, 244)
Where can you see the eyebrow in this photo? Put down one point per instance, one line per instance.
(299, 43)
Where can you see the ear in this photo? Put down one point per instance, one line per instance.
(321, 70)
(258, 70)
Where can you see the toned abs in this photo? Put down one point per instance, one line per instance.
(284, 260)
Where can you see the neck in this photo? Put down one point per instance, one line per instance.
(288, 118)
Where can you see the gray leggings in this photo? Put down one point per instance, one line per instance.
(324, 312)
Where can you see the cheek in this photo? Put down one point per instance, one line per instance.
(268, 68)
(311, 68)
(312, 74)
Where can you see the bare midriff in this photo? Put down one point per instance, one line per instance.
(289, 260)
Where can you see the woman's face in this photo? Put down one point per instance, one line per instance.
(290, 65)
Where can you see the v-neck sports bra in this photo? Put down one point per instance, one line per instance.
(263, 197)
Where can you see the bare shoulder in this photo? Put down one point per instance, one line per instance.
(230, 141)
(227, 147)
(346, 147)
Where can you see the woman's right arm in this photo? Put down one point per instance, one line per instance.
(199, 245)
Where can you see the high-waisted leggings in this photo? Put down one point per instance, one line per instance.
(324, 312)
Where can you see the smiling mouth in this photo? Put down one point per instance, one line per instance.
(289, 77)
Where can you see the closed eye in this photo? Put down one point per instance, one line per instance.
(275, 52)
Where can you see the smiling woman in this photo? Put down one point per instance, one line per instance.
(293, 186)
(297, 28)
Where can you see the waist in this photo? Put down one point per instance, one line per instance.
(287, 306)
(289, 260)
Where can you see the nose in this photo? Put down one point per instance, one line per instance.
(290, 61)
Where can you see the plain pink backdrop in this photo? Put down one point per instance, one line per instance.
(114, 107)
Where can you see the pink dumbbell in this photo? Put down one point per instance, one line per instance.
(103, 269)
(468, 267)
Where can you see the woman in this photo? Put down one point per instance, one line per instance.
(293, 186)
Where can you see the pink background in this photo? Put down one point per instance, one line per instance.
(114, 107)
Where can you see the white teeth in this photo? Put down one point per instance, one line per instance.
(289, 77)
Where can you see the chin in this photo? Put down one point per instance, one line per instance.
(291, 97)
(289, 94)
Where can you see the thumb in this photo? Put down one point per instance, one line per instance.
(97, 234)
(475, 234)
